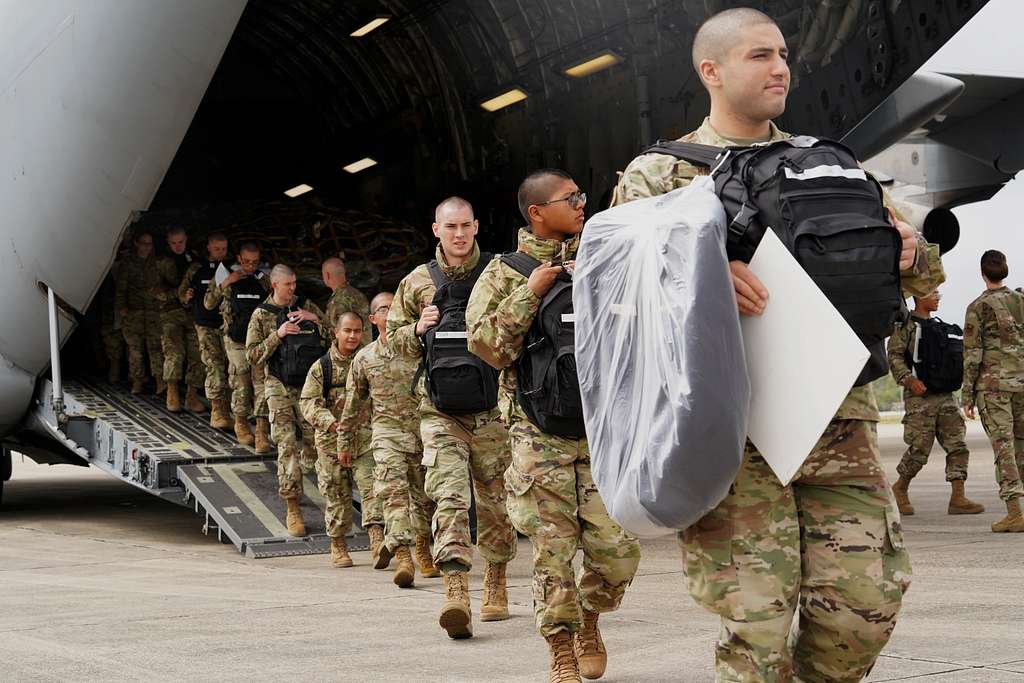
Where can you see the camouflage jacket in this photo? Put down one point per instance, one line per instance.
(345, 299)
(220, 298)
(384, 378)
(898, 348)
(322, 413)
(994, 343)
(138, 286)
(414, 293)
(261, 341)
(168, 270)
(650, 175)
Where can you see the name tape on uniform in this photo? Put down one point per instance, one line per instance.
(248, 296)
(569, 318)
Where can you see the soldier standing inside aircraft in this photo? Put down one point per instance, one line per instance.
(344, 297)
(237, 297)
(384, 377)
(178, 338)
(136, 290)
(198, 279)
(321, 403)
(994, 379)
(552, 496)
(284, 339)
(930, 413)
(463, 450)
(829, 544)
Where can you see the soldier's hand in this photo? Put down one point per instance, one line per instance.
(345, 459)
(302, 314)
(428, 318)
(333, 429)
(232, 278)
(287, 328)
(969, 410)
(751, 295)
(542, 278)
(917, 387)
(908, 253)
(189, 294)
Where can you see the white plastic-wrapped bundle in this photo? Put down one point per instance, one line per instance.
(660, 358)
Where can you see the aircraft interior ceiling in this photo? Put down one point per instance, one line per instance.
(296, 97)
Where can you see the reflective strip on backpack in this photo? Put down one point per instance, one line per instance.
(248, 296)
(451, 335)
(826, 172)
(204, 282)
(956, 336)
(569, 318)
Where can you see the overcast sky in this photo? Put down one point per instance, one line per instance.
(989, 44)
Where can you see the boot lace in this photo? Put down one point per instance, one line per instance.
(588, 638)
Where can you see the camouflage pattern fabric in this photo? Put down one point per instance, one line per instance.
(287, 426)
(215, 361)
(1002, 415)
(336, 484)
(994, 343)
(829, 545)
(382, 378)
(141, 330)
(247, 383)
(552, 497)
(346, 299)
(180, 344)
(926, 417)
(848, 600)
(137, 288)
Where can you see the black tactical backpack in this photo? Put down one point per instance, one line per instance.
(246, 295)
(829, 214)
(327, 368)
(291, 361)
(199, 283)
(549, 388)
(458, 382)
(938, 355)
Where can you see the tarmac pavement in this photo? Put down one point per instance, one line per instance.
(101, 582)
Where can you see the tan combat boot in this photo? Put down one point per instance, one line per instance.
(900, 492)
(220, 414)
(426, 562)
(161, 385)
(456, 617)
(193, 403)
(114, 374)
(380, 553)
(1013, 522)
(263, 445)
(137, 386)
(495, 603)
(959, 504)
(173, 397)
(293, 520)
(339, 553)
(564, 668)
(591, 656)
(242, 431)
(405, 571)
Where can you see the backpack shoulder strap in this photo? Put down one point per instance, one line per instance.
(276, 310)
(520, 262)
(327, 368)
(436, 274)
(485, 258)
(695, 153)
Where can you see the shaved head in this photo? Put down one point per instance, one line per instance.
(335, 266)
(380, 300)
(350, 316)
(451, 204)
(718, 33)
(281, 272)
(538, 187)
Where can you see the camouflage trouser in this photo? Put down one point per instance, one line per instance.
(336, 484)
(459, 452)
(215, 360)
(113, 343)
(927, 417)
(829, 545)
(141, 330)
(179, 342)
(1002, 415)
(407, 510)
(248, 392)
(295, 455)
(552, 499)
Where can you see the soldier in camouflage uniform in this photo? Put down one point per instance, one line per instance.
(198, 279)
(928, 415)
(384, 377)
(246, 381)
(337, 477)
(344, 297)
(552, 497)
(137, 289)
(110, 326)
(295, 438)
(994, 379)
(829, 544)
(178, 338)
(458, 451)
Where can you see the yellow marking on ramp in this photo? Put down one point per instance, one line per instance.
(229, 473)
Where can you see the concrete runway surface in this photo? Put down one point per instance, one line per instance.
(101, 583)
